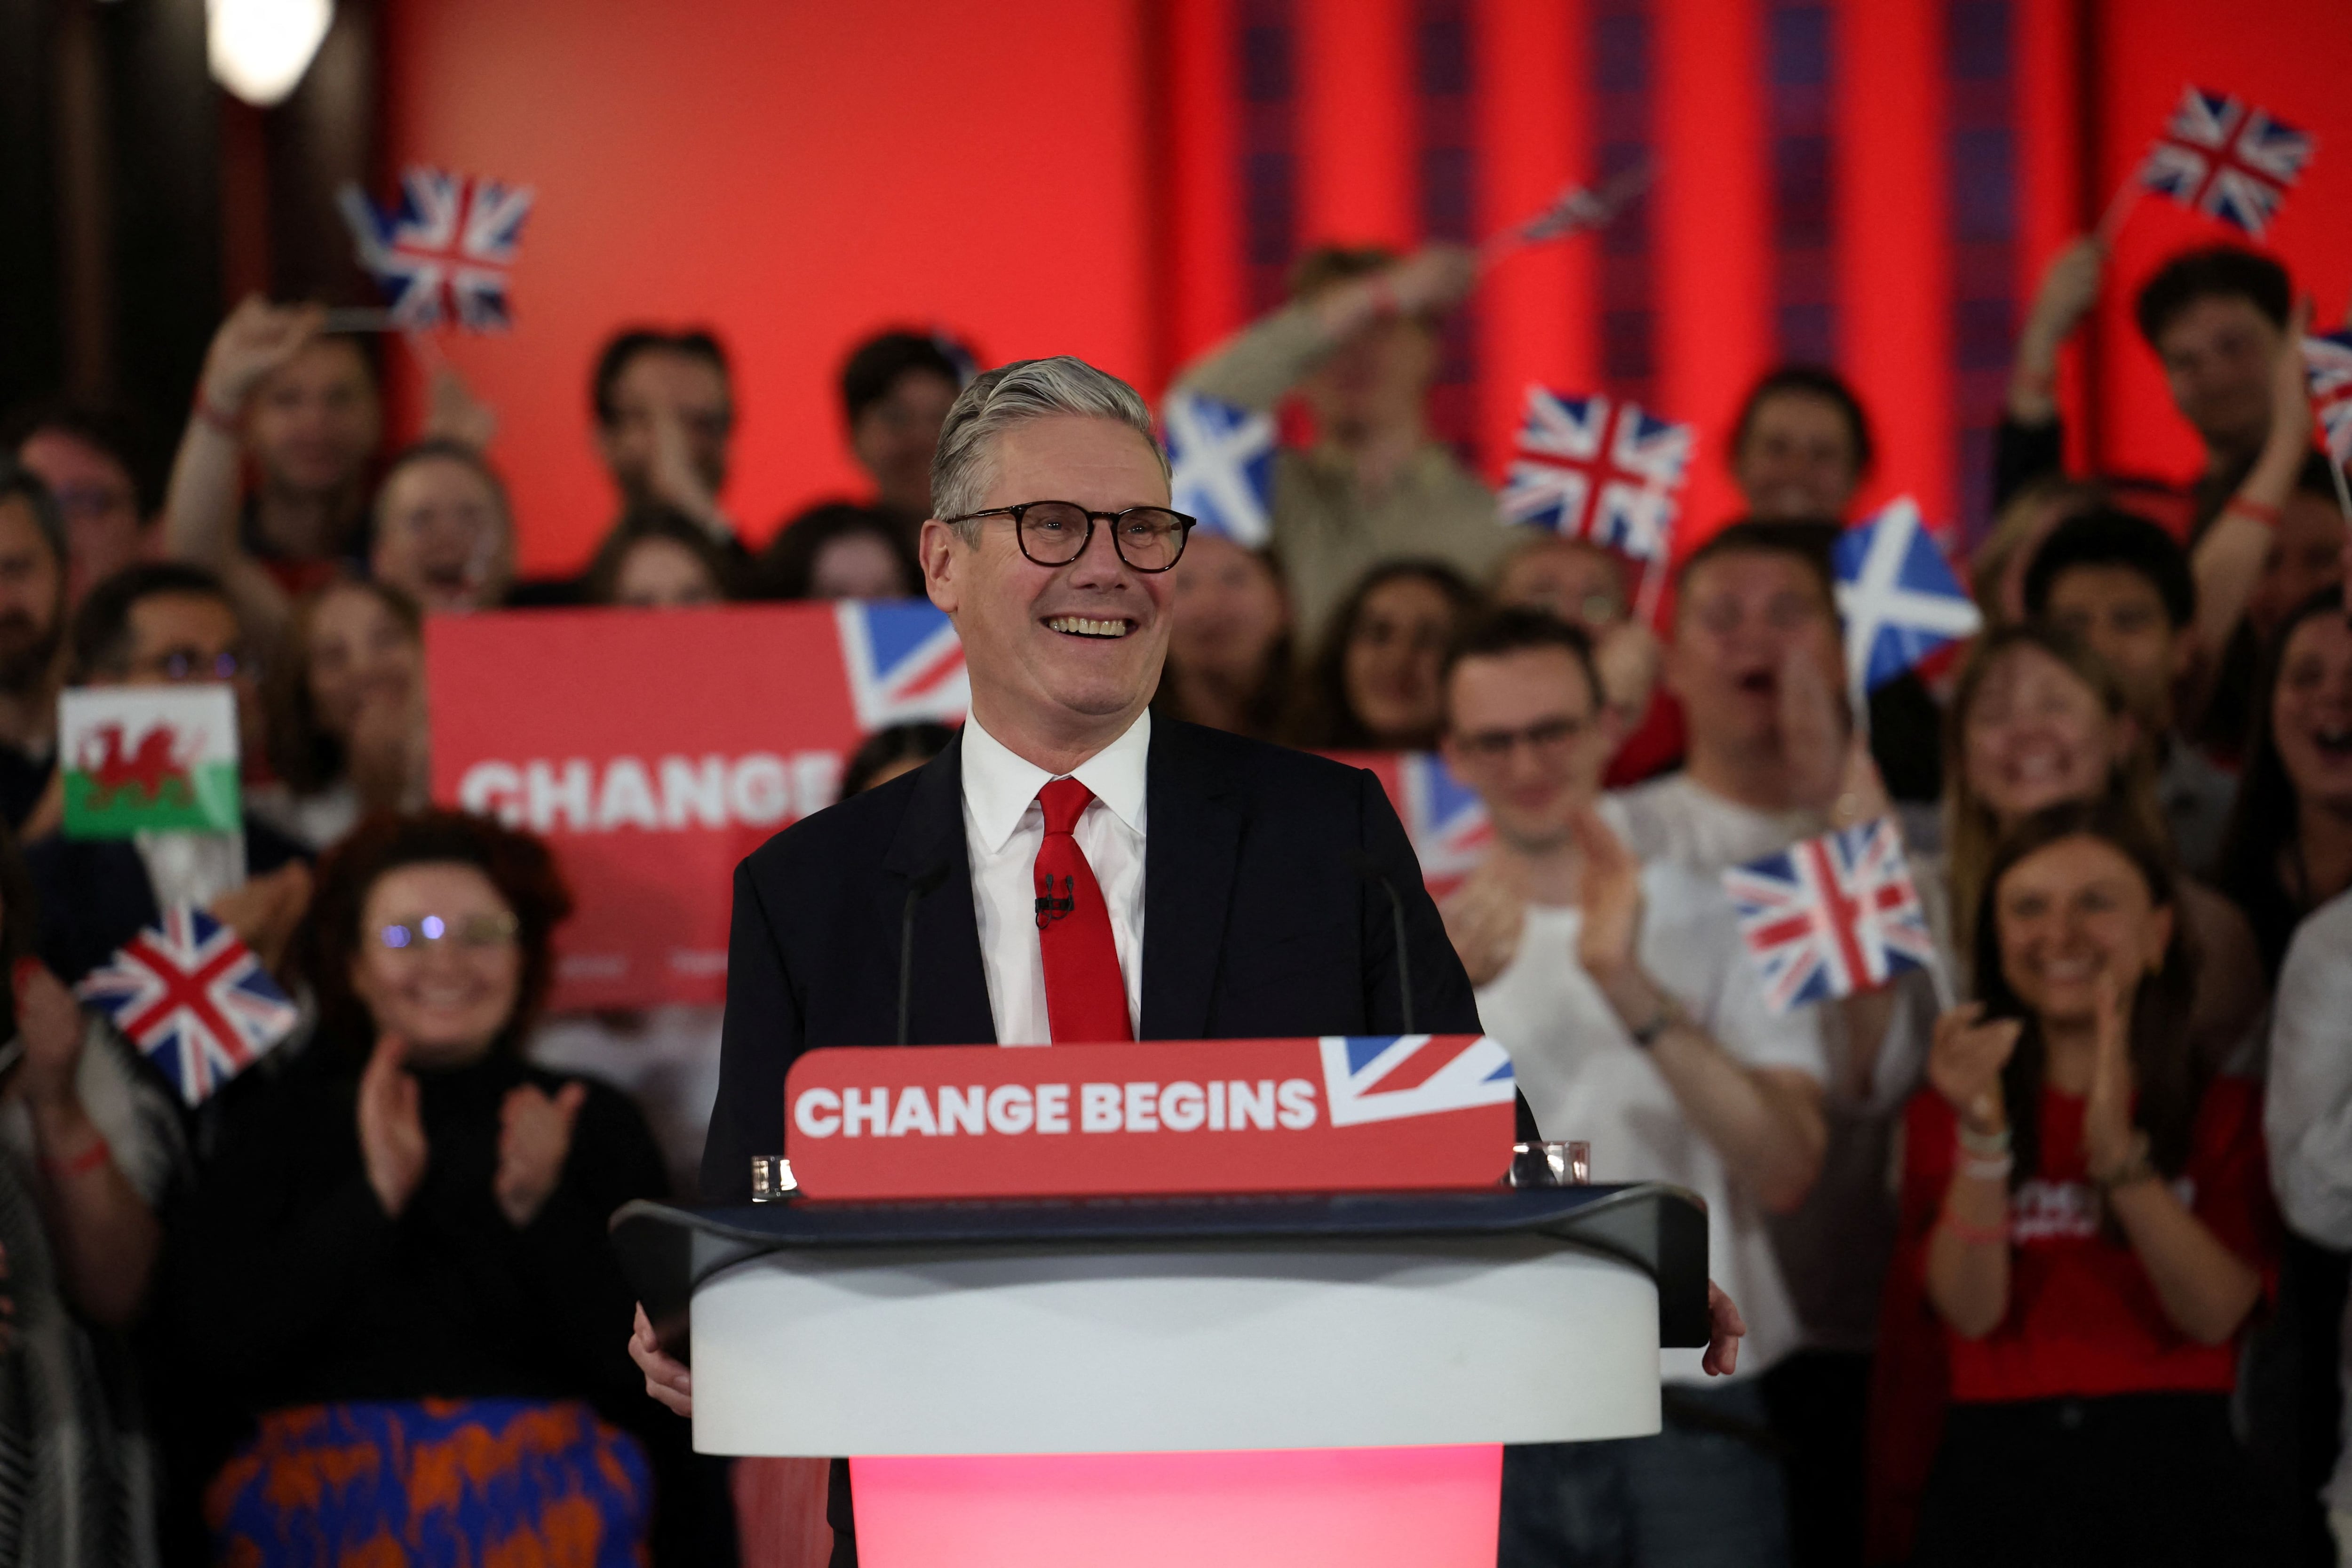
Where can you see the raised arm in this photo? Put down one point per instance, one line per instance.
(1257, 366)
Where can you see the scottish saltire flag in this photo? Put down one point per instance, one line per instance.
(1831, 916)
(1221, 458)
(1446, 820)
(1900, 597)
(904, 662)
(1591, 468)
(1380, 1078)
(2225, 157)
(141, 759)
(442, 257)
(2328, 361)
(194, 999)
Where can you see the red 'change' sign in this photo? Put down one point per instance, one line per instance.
(1344, 1113)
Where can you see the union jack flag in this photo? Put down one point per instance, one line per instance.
(2226, 158)
(1220, 459)
(904, 662)
(2328, 361)
(194, 999)
(1900, 598)
(443, 256)
(1591, 469)
(1446, 820)
(1831, 916)
(1381, 1078)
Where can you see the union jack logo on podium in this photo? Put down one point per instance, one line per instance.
(1831, 916)
(1900, 598)
(1593, 469)
(2226, 158)
(194, 999)
(1381, 1078)
(2328, 362)
(1446, 820)
(1221, 462)
(444, 255)
(904, 663)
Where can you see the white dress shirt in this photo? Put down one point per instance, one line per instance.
(1002, 827)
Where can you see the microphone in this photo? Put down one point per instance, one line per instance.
(1371, 871)
(917, 888)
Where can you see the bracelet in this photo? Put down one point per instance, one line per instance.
(2258, 511)
(203, 410)
(1987, 1170)
(1972, 1233)
(2136, 1167)
(83, 1163)
(1984, 1145)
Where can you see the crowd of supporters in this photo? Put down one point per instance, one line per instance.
(2043, 1253)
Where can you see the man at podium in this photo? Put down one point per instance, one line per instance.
(1069, 870)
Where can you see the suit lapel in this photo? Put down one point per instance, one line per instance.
(951, 987)
(1192, 838)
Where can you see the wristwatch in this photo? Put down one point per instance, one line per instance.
(1668, 1013)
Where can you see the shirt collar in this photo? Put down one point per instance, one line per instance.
(998, 786)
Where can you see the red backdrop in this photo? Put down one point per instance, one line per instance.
(1876, 181)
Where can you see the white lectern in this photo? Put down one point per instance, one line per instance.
(1284, 1379)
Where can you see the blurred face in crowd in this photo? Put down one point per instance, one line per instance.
(2307, 554)
(2069, 913)
(2118, 614)
(1228, 609)
(1071, 652)
(860, 566)
(2217, 353)
(660, 573)
(1579, 581)
(315, 421)
(1739, 620)
(441, 536)
(177, 639)
(2037, 734)
(448, 981)
(1797, 459)
(31, 608)
(2311, 711)
(896, 436)
(1523, 729)
(104, 531)
(360, 653)
(1374, 381)
(654, 381)
(1393, 654)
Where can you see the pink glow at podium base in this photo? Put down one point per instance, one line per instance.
(1364, 1508)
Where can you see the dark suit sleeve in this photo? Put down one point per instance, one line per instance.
(761, 1036)
(1443, 1003)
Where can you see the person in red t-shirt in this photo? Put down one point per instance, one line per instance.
(2099, 1227)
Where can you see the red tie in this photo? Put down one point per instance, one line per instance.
(1086, 1000)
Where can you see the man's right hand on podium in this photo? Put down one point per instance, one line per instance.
(667, 1377)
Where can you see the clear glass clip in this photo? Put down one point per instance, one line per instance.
(1551, 1164)
(771, 1179)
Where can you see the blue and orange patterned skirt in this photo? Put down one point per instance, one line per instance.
(465, 1483)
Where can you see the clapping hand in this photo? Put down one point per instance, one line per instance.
(1485, 917)
(534, 1139)
(392, 1127)
(1816, 736)
(2109, 1139)
(1965, 1062)
(49, 1022)
(265, 911)
(1610, 895)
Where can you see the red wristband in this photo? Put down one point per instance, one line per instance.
(203, 410)
(81, 1165)
(2267, 516)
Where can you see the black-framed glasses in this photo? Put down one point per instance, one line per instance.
(180, 664)
(1056, 532)
(1545, 737)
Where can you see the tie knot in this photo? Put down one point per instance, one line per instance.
(1064, 800)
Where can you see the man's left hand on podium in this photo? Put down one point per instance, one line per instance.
(1724, 1327)
(667, 1377)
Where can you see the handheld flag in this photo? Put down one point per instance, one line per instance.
(1592, 468)
(2328, 361)
(443, 256)
(904, 663)
(1831, 916)
(149, 758)
(1575, 209)
(194, 999)
(2226, 158)
(1899, 596)
(1220, 459)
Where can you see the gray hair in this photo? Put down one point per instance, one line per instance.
(1013, 394)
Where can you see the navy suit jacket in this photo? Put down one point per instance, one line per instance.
(1257, 923)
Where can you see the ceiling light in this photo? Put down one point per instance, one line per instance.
(259, 50)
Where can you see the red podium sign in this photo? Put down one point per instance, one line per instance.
(1343, 1113)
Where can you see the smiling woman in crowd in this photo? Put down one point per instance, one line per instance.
(400, 1249)
(2098, 1229)
(347, 712)
(2037, 720)
(658, 558)
(1374, 685)
(443, 532)
(1229, 648)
